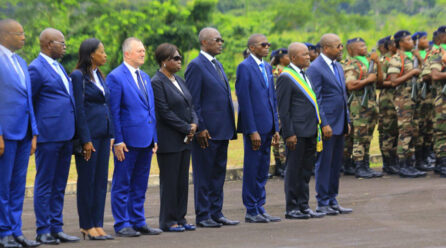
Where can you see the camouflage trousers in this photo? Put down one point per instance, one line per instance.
(348, 144)
(440, 122)
(388, 122)
(424, 116)
(280, 151)
(407, 129)
(364, 120)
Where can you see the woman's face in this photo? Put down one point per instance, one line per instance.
(173, 64)
(99, 57)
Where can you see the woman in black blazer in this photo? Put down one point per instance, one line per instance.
(94, 130)
(176, 126)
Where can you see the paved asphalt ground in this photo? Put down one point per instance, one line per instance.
(388, 212)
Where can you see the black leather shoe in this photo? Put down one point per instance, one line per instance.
(226, 222)
(9, 242)
(271, 218)
(296, 214)
(65, 238)
(341, 210)
(47, 239)
(128, 232)
(209, 223)
(147, 230)
(26, 242)
(255, 219)
(313, 214)
(326, 210)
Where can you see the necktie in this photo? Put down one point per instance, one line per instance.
(19, 71)
(62, 76)
(220, 73)
(303, 75)
(336, 72)
(265, 77)
(141, 86)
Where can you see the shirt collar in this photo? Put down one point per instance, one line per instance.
(295, 67)
(207, 55)
(131, 68)
(257, 60)
(48, 59)
(326, 59)
(6, 51)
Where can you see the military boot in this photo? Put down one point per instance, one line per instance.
(393, 166)
(405, 169)
(349, 167)
(420, 160)
(361, 170)
(373, 172)
(412, 164)
(441, 165)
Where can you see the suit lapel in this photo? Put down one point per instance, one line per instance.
(210, 67)
(132, 83)
(53, 73)
(329, 72)
(257, 71)
(13, 73)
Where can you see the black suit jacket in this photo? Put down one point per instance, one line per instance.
(297, 114)
(174, 113)
(93, 118)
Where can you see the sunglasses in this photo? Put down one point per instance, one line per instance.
(218, 40)
(265, 44)
(177, 58)
(338, 46)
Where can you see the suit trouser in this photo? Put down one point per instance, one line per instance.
(174, 185)
(129, 186)
(328, 166)
(209, 170)
(53, 165)
(255, 174)
(13, 168)
(92, 185)
(298, 173)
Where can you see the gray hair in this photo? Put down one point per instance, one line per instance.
(126, 45)
(205, 33)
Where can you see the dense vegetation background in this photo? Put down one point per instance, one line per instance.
(178, 22)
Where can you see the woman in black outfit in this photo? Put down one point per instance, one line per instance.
(176, 126)
(94, 130)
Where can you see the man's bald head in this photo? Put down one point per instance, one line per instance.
(328, 39)
(296, 47)
(210, 41)
(11, 34)
(207, 33)
(52, 43)
(254, 39)
(299, 54)
(331, 46)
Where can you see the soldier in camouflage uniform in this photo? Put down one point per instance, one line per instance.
(363, 107)
(401, 72)
(279, 59)
(387, 123)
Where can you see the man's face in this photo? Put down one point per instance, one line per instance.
(57, 46)
(14, 37)
(135, 57)
(360, 48)
(302, 58)
(334, 49)
(214, 43)
(261, 48)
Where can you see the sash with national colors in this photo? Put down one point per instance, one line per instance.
(309, 93)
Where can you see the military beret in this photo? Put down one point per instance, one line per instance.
(434, 34)
(279, 52)
(357, 39)
(318, 45)
(310, 46)
(418, 35)
(383, 40)
(401, 34)
(441, 29)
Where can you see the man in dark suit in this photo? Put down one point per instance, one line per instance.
(327, 77)
(211, 95)
(132, 108)
(259, 124)
(54, 107)
(299, 116)
(18, 134)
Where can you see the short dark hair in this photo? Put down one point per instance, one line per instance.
(84, 63)
(165, 51)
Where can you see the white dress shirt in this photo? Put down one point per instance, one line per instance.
(296, 68)
(10, 55)
(133, 72)
(96, 80)
(329, 62)
(177, 85)
(58, 70)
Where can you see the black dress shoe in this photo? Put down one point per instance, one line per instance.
(296, 214)
(341, 210)
(271, 218)
(313, 214)
(26, 242)
(147, 230)
(47, 239)
(226, 222)
(255, 219)
(65, 238)
(9, 242)
(209, 223)
(326, 210)
(128, 232)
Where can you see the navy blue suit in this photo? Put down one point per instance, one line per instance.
(257, 113)
(55, 114)
(212, 102)
(94, 125)
(134, 124)
(332, 99)
(17, 124)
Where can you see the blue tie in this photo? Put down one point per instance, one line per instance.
(336, 72)
(62, 76)
(141, 85)
(19, 71)
(265, 77)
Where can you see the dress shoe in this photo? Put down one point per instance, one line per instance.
(101, 232)
(341, 210)
(255, 219)
(47, 239)
(313, 214)
(226, 222)
(92, 234)
(209, 223)
(176, 228)
(271, 218)
(296, 214)
(65, 238)
(326, 210)
(147, 230)
(26, 242)
(189, 227)
(9, 242)
(128, 232)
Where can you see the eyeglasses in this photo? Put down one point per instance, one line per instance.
(265, 44)
(177, 58)
(59, 42)
(338, 46)
(218, 40)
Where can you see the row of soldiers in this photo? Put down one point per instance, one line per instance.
(402, 91)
